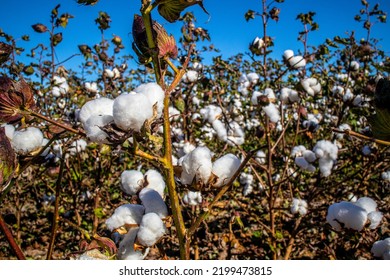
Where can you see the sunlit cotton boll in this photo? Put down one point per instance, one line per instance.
(272, 112)
(91, 87)
(192, 198)
(311, 86)
(253, 78)
(131, 181)
(381, 249)
(131, 110)
(93, 128)
(151, 229)
(126, 249)
(297, 62)
(155, 181)
(210, 113)
(77, 146)
(126, 214)
(224, 168)
(191, 76)
(220, 129)
(261, 157)
(27, 140)
(348, 214)
(299, 206)
(385, 175)
(288, 54)
(9, 130)
(154, 93)
(153, 202)
(304, 164)
(370, 206)
(196, 164)
(100, 106)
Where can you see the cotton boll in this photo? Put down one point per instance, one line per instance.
(297, 62)
(288, 54)
(153, 202)
(191, 76)
(220, 129)
(192, 198)
(354, 66)
(367, 204)
(131, 181)
(255, 96)
(246, 179)
(366, 150)
(100, 106)
(284, 95)
(385, 175)
(130, 214)
(272, 112)
(27, 140)
(347, 213)
(381, 247)
(224, 168)
(9, 130)
(326, 166)
(197, 164)
(375, 218)
(154, 93)
(93, 128)
(261, 157)
(130, 111)
(151, 229)
(211, 113)
(310, 156)
(299, 206)
(91, 87)
(126, 247)
(253, 78)
(155, 181)
(311, 86)
(298, 151)
(77, 146)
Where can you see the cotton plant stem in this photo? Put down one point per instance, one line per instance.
(11, 241)
(361, 136)
(55, 214)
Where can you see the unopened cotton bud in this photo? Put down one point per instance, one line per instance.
(131, 181)
(151, 229)
(153, 202)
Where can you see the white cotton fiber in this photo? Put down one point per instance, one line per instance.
(272, 112)
(298, 206)
(220, 129)
(347, 213)
(153, 202)
(126, 247)
(154, 93)
(9, 130)
(381, 248)
(155, 181)
(210, 113)
(92, 128)
(375, 218)
(27, 140)
(192, 198)
(297, 62)
(197, 164)
(130, 214)
(224, 168)
(77, 146)
(100, 106)
(288, 54)
(151, 229)
(367, 204)
(131, 181)
(131, 110)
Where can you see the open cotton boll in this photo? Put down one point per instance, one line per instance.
(298, 206)
(151, 229)
(131, 110)
(210, 113)
(126, 247)
(192, 198)
(155, 181)
(224, 168)
(326, 166)
(325, 148)
(9, 130)
(385, 175)
(272, 112)
(77, 146)
(196, 163)
(253, 78)
(100, 106)
(220, 129)
(255, 96)
(311, 86)
(154, 93)
(375, 218)
(304, 164)
(131, 181)
(129, 214)
(91, 87)
(288, 54)
(153, 202)
(297, 151)
(347, 213)
(27, 140)
(261, 157)
(93, 130)
(297, 62)
(367, 204)
(380, 248)
(310, 156)
(191, 76)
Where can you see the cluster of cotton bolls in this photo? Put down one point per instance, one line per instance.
(311, 86)
(324, 151)
(198, 169)
(145, 220)
(247, 181)
(247, 81)
(381, 249)
(295, 61)
(128, 111)
(354, 215)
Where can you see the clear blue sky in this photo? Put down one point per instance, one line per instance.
(228, 29)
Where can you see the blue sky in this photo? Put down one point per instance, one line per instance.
(228, 29)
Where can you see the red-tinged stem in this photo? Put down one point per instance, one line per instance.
(11, 241)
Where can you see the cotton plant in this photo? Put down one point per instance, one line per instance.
(354, 215)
